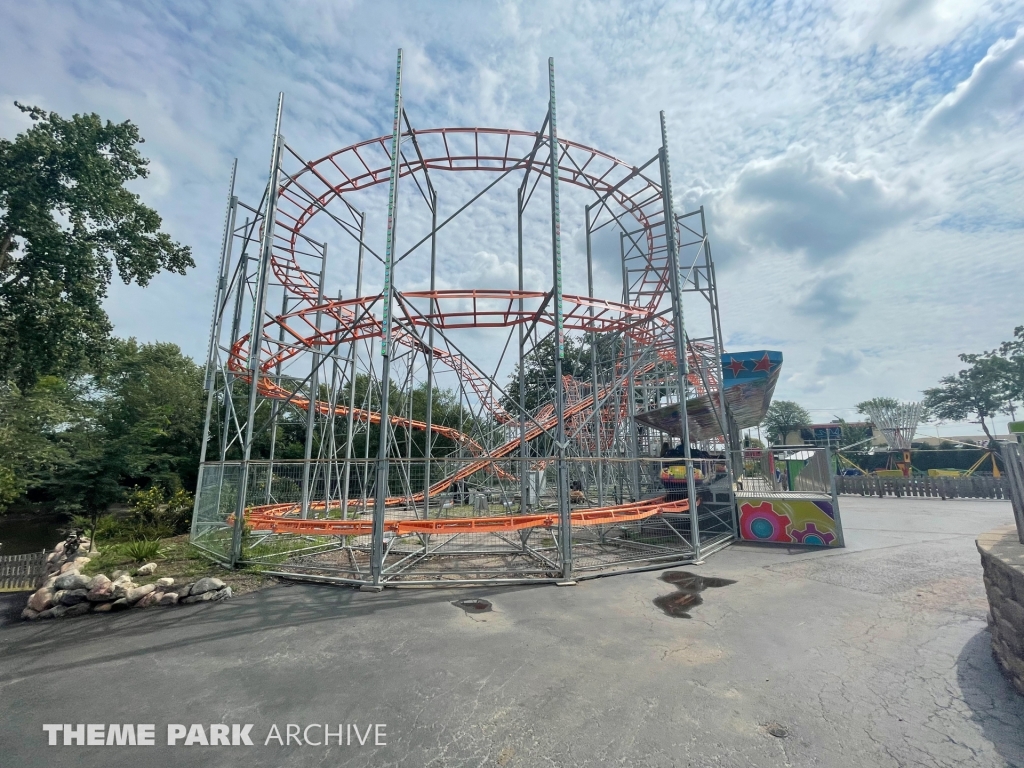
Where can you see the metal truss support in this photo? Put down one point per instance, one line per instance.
(212, 353)
(561, 470)
(679, 330)
(377, 545)
(256, 334)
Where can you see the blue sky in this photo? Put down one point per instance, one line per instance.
(860, 163)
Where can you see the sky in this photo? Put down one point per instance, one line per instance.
(859, 164)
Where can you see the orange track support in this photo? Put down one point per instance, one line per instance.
(624, 513)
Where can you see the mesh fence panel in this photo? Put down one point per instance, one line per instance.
(482, 520)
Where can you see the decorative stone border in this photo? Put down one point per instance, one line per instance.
(69, 592)
(1002, 557)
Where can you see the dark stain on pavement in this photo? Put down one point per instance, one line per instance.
(687, 595)
(777, 730)
(473, 605)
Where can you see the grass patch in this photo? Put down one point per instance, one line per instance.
(143, 550)
(181, 561)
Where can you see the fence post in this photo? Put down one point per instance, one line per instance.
(1014, 471)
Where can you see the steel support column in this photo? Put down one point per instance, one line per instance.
(561, 474)
(353, 355)
(314, 391)
(256, 334)
(387, 297)
(679, 330)
(220, 296)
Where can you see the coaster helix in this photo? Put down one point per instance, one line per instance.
(309, 191)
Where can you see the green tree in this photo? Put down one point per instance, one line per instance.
(1013, 353)
(140, 424)
(851, 434)
(979, 391)
(67, 221)
(783, 417)
(865, 406)
(539, 372)
(152, 409)
(33, 425)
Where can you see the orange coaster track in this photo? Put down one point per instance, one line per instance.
(270, 519)
(302, 195)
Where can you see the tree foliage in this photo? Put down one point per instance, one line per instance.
(32, 427)
(866, 406)
(851, 434)
(992, 383)
(67, 222)
(974, 394)
(539, 372)
(783, 417)
(1013, 372)
(81, 446)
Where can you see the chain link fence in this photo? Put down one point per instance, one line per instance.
(482, 521)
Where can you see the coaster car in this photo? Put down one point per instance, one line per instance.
(673, 477)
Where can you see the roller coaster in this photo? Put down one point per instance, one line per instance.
(400, 516)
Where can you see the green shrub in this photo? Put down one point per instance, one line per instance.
(143, 550)
(154, 514)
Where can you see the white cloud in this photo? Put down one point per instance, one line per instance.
(994, 92)
(838, 362)
(829, 300)
(908, 24)
(794, 124)
(796, 204)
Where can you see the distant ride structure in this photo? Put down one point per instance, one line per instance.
(457, 433)
(897, 422)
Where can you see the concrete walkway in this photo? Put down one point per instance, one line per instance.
(877, 655)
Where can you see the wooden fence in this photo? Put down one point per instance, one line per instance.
(22, 572)
(973, 487)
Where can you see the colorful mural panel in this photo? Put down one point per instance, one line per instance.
(811, 522)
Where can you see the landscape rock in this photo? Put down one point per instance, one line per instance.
(200, 598)
(69, 592)
(147, 600)
(121, 585)
(70, 596)
(101, 589)
(72, 580)
(137, 593)
(40, 600)
(206, 584)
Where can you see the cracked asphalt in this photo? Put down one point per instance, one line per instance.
(876, 655)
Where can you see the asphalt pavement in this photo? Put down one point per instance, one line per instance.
(876, 655)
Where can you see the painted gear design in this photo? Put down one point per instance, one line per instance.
(812, 536)
(763, 523)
